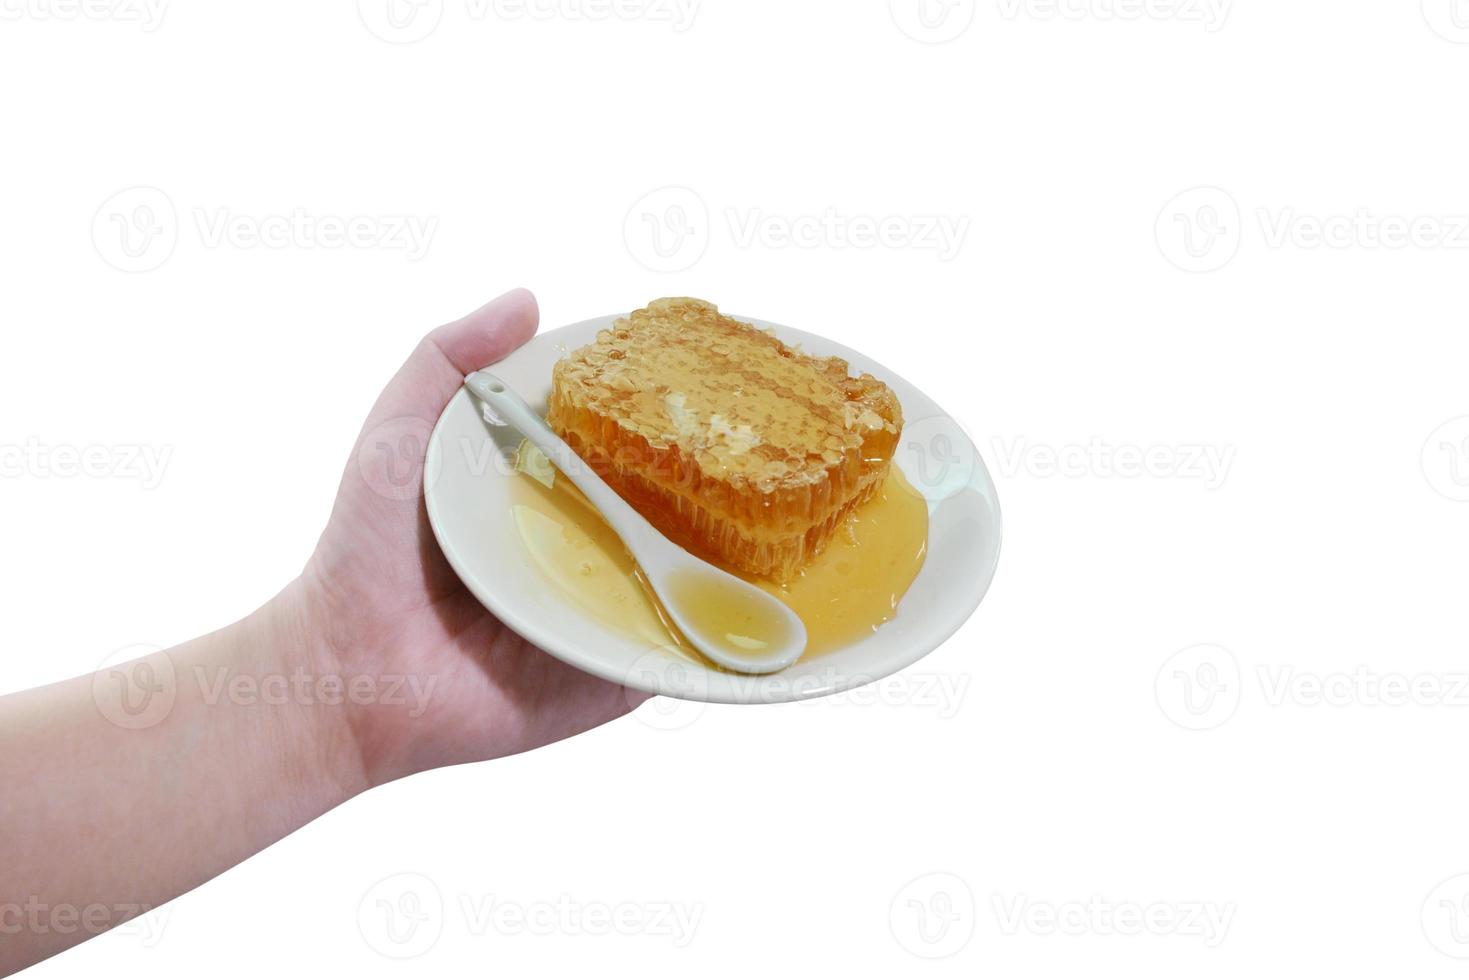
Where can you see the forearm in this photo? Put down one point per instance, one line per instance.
(123, 790)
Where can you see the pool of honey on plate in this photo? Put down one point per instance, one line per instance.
(842, 595)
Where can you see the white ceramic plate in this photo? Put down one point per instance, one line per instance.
(467, 490)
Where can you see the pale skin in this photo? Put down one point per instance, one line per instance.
(375, 663)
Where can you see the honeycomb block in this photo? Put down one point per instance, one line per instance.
(734, 444)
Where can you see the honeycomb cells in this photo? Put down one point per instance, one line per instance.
(734, 444)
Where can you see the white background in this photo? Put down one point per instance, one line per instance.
(1131, 727)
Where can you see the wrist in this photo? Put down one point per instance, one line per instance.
(283, 659)
(382, 692)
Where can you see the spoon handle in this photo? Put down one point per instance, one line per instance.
(631, 526)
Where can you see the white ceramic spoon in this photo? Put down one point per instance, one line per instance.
(728, 620)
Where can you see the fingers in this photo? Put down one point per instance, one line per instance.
(489, 333)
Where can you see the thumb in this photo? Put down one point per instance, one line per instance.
(436, 369)
(389, 455)
(489, 333)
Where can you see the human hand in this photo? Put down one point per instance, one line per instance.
(378, 599)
